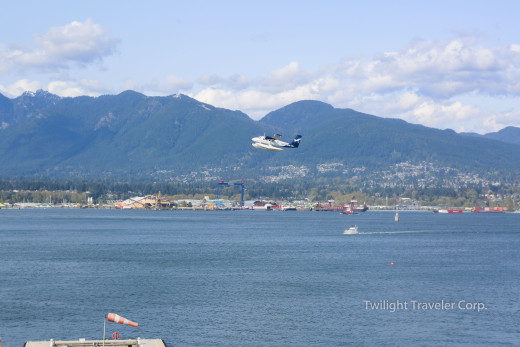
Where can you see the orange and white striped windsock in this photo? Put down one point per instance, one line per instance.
(112, 317)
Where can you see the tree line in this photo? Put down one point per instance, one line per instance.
(318, 190)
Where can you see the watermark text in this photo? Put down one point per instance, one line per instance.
(418, 305)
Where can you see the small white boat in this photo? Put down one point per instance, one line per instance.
(352, 230)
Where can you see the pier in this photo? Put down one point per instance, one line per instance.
(98, 343)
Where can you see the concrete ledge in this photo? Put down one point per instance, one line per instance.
(98, 343)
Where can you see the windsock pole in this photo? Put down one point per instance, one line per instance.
(112, 317)
(104, 328)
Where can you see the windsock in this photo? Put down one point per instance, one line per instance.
(112, 317)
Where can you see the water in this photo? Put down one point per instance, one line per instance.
(250, 278)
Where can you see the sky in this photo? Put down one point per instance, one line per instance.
(443, 64)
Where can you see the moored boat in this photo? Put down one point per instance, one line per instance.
(453, 210)
(487, 210)
(351, 208)
(360, 208)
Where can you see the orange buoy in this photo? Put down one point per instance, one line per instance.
(112, 317)
(115, 336)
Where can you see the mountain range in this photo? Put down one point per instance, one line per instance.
(131, 136)
(508, 134)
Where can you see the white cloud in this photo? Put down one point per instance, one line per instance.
(289, 72)
(442, 69)
(285, 78)
(94, 87)
(438, 84)
(495, 122)
(452, 115)
(423, 83)
(70, 88)
(130, 85)
(257, 101)
(76, 42)
(21, 86)
(65, 89)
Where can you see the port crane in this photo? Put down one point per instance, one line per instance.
(226, 184)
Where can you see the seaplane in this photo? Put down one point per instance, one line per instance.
(271, 143)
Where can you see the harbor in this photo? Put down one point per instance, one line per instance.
(226, 278)
(234, 195)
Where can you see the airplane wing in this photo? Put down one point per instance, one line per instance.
(274, 137)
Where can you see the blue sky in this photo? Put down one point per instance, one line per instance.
(444, 64)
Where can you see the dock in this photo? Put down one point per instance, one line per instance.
(98, 343)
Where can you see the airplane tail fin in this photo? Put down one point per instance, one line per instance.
(296, 142)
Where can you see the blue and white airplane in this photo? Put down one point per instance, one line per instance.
(268, 143)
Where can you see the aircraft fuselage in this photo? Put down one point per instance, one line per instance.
(269, 143)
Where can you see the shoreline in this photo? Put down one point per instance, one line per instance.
(35, 206)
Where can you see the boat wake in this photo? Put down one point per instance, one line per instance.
(387, 232)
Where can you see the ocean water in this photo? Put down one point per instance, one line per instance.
(251, 278)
